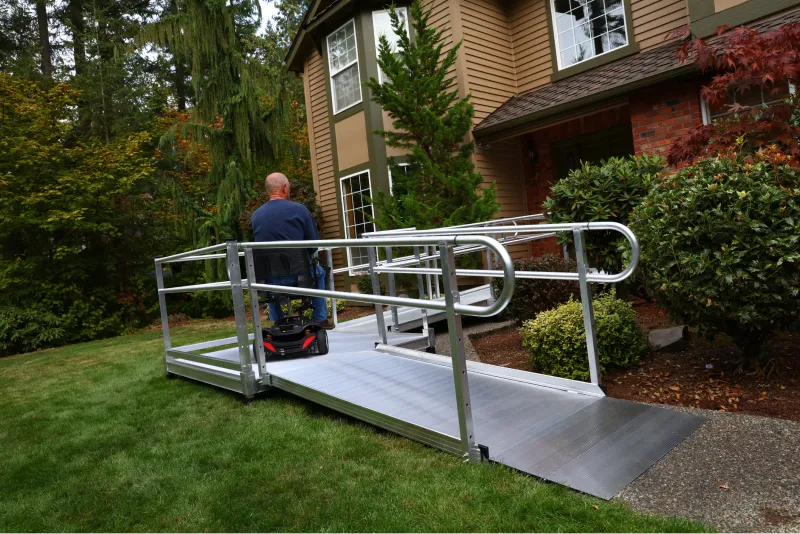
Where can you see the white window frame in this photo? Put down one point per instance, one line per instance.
(331, 74)
(377, 37)
(344, 212)
(706, 110)
(554, 28)
(391, 190)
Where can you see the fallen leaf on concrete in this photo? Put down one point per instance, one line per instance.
(724, 485)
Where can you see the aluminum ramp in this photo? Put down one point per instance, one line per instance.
(593, 444)
(560, 430)
(411, 318)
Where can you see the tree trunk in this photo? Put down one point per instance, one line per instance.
(76, 23)
(44, 38)
(180, 68)
(750, 343)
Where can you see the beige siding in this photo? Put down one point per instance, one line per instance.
(491, 76)
(531, 40)
(322, 157)
(351, 141)
(488, 55)
(654, 19)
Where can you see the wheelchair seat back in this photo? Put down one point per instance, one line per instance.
(282, 263)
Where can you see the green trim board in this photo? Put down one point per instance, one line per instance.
(705, 19)
(559, 74)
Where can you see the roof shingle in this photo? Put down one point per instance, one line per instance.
(633, 71)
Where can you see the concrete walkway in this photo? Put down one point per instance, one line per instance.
(737, 473)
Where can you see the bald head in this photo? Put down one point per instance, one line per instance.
(277, 186)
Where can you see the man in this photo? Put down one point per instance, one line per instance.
(280, 219)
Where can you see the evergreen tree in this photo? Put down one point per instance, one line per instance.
(227, 117)
(441, 185)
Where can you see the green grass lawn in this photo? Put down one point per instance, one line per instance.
(95, 438)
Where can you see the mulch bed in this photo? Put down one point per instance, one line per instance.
(354, 312)
(702, 375)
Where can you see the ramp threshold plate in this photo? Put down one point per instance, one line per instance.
(596, 445)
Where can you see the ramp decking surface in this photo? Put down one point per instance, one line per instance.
(597, 445)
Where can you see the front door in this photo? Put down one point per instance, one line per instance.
(591, 148)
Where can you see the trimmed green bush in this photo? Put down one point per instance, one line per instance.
(556, 339)
(721, 245)
(606, 192)
(340, 307)
(534, 296)
(364, 284)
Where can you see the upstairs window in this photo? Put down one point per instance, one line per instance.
(382, 25)
(357, 213)
(343, 66)
(587, 28)
(751, 98)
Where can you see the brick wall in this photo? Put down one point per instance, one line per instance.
(658, 115)
(540, 178)
(661, 114)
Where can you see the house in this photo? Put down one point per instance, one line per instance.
(554, 82)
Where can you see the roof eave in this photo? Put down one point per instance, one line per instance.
(507, 128)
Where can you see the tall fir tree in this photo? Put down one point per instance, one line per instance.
(441, 186)
(227, 116)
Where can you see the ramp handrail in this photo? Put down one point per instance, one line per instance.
(451, 306)
(449, 241)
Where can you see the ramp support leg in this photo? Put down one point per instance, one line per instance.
(451, 296)
(240, 317)
(392, 292)
(376, 290)
(588, 310)
(162, 306)
(258, 335)
(422, 293)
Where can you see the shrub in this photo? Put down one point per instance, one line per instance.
(534, 296)
(340, 306)
(556, 339)
(721, 245)
(606, 192)
(364, 284)
(27, 329)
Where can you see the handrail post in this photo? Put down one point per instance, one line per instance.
(421, 294)
(392, 292)
(451, 296)
(331, 285)
(435, 277)
(490, 266)
(240, 317)
(162, 306)
(586, 302)
(255, 309)
(376, 290)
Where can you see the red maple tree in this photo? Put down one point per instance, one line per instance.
(744, 60)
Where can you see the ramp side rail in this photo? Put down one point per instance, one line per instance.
(451, 305)
(583, 275)
(447, 241)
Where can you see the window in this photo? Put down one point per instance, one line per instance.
(753, 97)
(357, 213)
(404, 167)
(587, 28)
(343, 65)
(382, 25)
